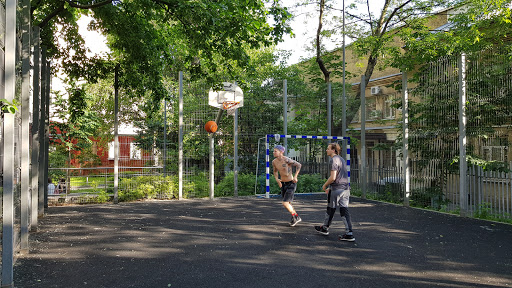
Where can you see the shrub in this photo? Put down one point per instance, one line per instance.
(196, 186)
(309, 183)
(131, 189)
(226, 186)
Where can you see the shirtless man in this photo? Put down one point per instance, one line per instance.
(288, 182)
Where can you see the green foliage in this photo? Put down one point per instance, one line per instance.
(102, 197)
(486, 165)
(8, 107)
(151, 40)
(77, 123)
(57, 158)
(484, 211)
(261, 185)
(245, 185)
(429, 198)
(309, 183)
(147, 187)
(196, 186)
(481, 25)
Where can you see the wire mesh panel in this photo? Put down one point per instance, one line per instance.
(435, 136)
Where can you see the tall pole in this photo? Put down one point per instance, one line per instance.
(405, 152)
(463, 165)
(285, 113)
(8, 142)
(42, 120)
(363, 137)
(25, 127)
(46, 150)
(116, 133)
(329, 106)
(212, 165)
(164, 156)
(235, 162)
(344, 99)
(180, 139)
(36, 116)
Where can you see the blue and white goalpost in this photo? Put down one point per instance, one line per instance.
(279, 136)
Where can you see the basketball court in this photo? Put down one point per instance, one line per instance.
(246, 242)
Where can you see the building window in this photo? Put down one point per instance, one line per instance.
(371, 109)
(134, 152)
(494, 153)
(388, 110)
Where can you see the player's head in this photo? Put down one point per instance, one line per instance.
(279, 148)
(335, 147)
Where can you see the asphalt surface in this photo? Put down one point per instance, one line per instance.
(246, 242)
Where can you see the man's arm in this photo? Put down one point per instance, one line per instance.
(297, 165)
(276, 174)
(330, 180)
(297, 168)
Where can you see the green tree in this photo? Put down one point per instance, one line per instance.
(152, 38)
(481, 32)
(73, 128)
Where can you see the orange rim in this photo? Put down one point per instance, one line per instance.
(229, 104)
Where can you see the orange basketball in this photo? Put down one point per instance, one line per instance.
(210, 127)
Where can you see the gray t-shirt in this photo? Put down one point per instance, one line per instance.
(338, 164)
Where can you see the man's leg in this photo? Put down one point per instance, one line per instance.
(289, 207)
(345, 216)
(287, 202)
(329, 214)
(331, 209)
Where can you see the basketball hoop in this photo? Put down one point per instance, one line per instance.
(230, 98)
(228, 105)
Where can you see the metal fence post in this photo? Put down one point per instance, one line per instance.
(42, 120)
(180, 139)
(363, 137)
(212, 166)
(235, 153)
(36, 115)
(25, 127)
(8, 142)
(329, 108)
(405, 152)
(116, 136)
(462, 137)
(285, 113)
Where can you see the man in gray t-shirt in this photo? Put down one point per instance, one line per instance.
(338, 193)
(336, 163)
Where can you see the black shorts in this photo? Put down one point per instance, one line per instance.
(288, 190)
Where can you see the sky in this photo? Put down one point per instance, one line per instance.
(91, 37)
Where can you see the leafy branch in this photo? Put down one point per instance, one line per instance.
(8, 107)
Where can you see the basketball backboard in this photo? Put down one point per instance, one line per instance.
(230, 97)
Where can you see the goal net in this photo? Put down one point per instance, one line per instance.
(307, 150)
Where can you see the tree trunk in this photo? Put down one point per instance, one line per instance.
(318, 46)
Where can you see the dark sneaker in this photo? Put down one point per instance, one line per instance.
(346, 237)
(295, 220)
(322, 230)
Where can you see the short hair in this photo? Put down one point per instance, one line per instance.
(336, 147)
(280, 148)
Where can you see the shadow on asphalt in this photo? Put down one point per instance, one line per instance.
(246, 241)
